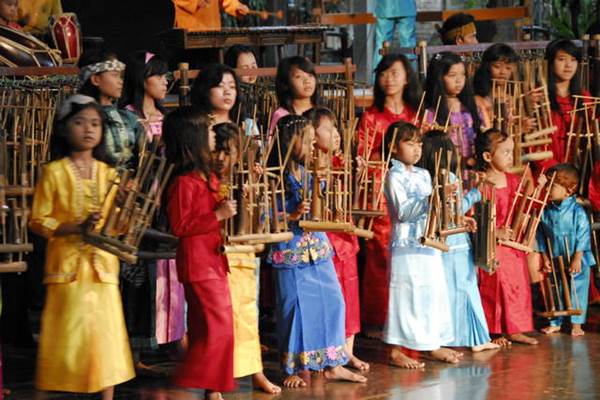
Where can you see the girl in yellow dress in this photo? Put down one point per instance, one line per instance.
(83, 344)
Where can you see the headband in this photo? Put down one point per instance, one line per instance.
(104, 66)
(462, 31)
(66, 106)
(148, 57)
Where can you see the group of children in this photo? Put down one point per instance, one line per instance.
(100, 315)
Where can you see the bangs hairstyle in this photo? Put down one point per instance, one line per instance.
(453, 22)
(226, 135)
(405, 132)
(185, 135)
(283, 87)
(136, 73)
(314, 115)
(567, 175)
(210, 77)
(435, 141)
(90, 57)
(412, 91)
(59, 141)
(485, 142)
(233, 53)
(575, 85)
(435, 89)
(288, 128)
(482, 81)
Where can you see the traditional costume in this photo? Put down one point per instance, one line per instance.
(198, 15)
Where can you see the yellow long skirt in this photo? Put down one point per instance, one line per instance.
(83, 342)
(247, 358)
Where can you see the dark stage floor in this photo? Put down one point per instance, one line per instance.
(558, 368)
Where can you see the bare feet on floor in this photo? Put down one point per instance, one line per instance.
(445, 355)
(358, 364)
(502, 341)
(213, 395)
(550, 329)
(485, 346)
(260, 381)
(293, 382)
(523, 339)
(399, 359)
(342, 374)
(577, 331)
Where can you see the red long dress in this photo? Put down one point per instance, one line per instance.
(374, 123)
(506, 294)
(202, 269)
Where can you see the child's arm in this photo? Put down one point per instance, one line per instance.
(469, 199)
(540, 247)
(406, 209)
(582, 238)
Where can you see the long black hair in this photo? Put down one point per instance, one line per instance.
(435, 141)
(404, 131)
(288, 127)
(412, 91)
(283, 89)
(136, 73)
(574, 85)
(233, 53)
(435, 88)
(185, 135)
(90, 57)
(484, 143)
(482, 81)
(210, 77)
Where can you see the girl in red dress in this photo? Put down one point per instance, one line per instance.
(396, 97)
(195, 211)
(506, 294)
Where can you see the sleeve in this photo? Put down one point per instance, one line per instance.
(191, 6)
(582, 231)
(405, 209)
(43, 204)
(189, 210)
(540, 239)
(231, 6)
(469, 199)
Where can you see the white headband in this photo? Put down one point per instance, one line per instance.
(92, 69)
(66, 106)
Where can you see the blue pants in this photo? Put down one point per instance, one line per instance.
(581, 286)
(384, 31)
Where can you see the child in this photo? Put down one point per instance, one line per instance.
(564, 221)
(100, 77)
(418, 315)
(310, 305)
(215, 92)
(242, 57)
(9, 14)
(345, 246)
(296, 88)
(247, 359)
(195, 212)
(468, 319)
(447, 80)
(506, 294)
(396, 98)
(83, 344)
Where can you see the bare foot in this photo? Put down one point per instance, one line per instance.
(523, 339)
(577, 331)
(550, 329)
(342, 374)
(208, 395)
(399, 359)
(485, 346)
(502, 341)
(358, 364)
(260, 381)
(445, 355)
(457, 354)
(294, 382)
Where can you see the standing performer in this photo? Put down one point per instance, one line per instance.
(198, 15)
(83, 344)
(395, 98)
(195, 211)
(506, 294)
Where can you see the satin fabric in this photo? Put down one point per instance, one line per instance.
(170, 303)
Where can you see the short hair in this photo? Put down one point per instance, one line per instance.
(404, 131)
(283, 88)
(90, 57)
(567, 175)
(453, 22)
(210, 77)
(485, 142)
(226, 133)
(233, 53)
(315, 114)
(433, 142)
(412, 91)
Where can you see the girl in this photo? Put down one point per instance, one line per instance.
(468, 319)
(215, 92)
(310, 305)
(296, 88)
(506, 294)
(396, 98)
(345, 246)
(83, 344)
(195, 212)
(145, 88)
(100, 77)
(242, 277)
(447, 80)
(418, 315)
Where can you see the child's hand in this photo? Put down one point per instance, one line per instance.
(542, 180)
(258, 170)
(546, 264)
(122, 192)
(360, 164)
(536, 94)
(504, 234)
(90, 222)
(529, 124)
(470, 223)
(303, 208)
(575, 266)
(226, 209)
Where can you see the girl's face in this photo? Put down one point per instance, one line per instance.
(393, 80)
(302, 83)
(502, 70)
(222, 97)
(327, 137)
(9, 10)
(84, 130)
(156, 86)
(564, 66)
(501, 157)
(454, 80)
(223, 158)
(109, 83)
(247, 61)
(409, 152)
